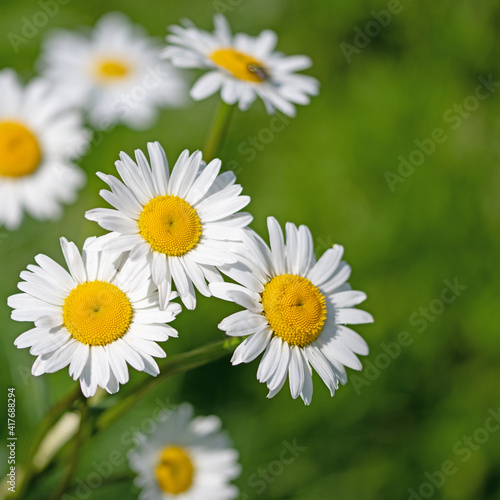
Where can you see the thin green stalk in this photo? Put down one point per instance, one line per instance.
(218, 131)
(179, 363)
(52, 417)
(77, 441)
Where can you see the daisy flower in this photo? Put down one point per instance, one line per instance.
(241, 66)
(114, 72)
(295, 309)
(96, 318)
(182, 225)
(39, 137)
(185, 458)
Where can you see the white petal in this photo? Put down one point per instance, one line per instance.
(305, 251)
(238, 294)
(326, 265)
(131, 356)
(29, 337)
(74, 260)
(292, 247)
(296, 372)
(55, 270)
(182, 283)
(242, 274)
(224, 209)
(195, 274)
(44, 293)
(322, 367)
(352, 340)
(49, 321)
(206, 85)
(159, 167)
(112, 220)
(339, 278)
(100, 365)
(269, 362)
(62, 357)
(117, 363)
(336, 350)
(352, 316)
(277, 245)
(242, 323)
(251, 347)
(159, 268)
(347, 299)
(307, 389)
(204, 181)
(79, 360)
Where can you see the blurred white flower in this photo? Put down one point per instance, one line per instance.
(39, 137)
(114, 72)
(295, 309)
(241, 66)
(182, 225)
(185, 458)
(97, 318)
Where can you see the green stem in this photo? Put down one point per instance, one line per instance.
(78, 441)
(218, 131)
(179, 363)
(52, 417)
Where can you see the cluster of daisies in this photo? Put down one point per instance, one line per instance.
(173, 232)
(115, 73)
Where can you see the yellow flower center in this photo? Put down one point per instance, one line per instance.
(112, 70)
(170, 225)
(20, 152)
(97, 313)
(294, 308)
(175, 470)
(240, 65)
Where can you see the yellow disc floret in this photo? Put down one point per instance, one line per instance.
(170, 225)
(97, 313)
(240, 65)
(295, 309)
(20, 152)
(175, 470)
(111, 70)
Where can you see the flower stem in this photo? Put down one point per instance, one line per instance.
(94, 424)
(218, 131)
(176, 364)
(52, 417)
(78, 441)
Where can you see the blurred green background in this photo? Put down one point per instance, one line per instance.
(395, 424)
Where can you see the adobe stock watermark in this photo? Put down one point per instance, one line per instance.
(453, 117)
(390, 351)
(102, 470)
(364, 36)
(224, 6)
(323, 244)
(123, 106)
(264, 476)
(254, 144)
(463, 450)
(153, 78)
(30, 26)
